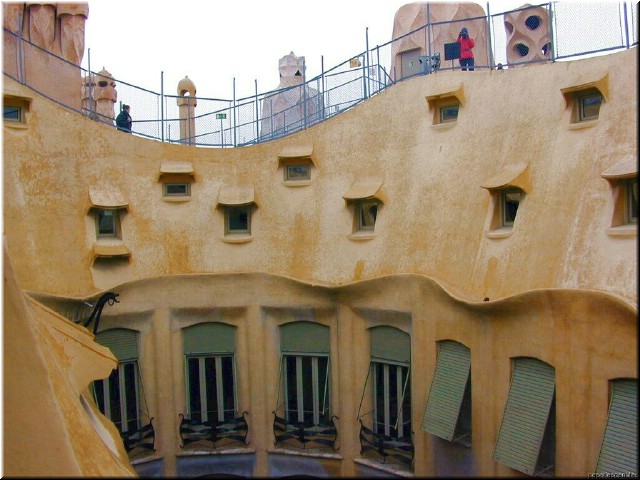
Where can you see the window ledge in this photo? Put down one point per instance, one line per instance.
(219, 451)
(316, 453)
(237, 238)
(296, 183)
(583, 124)
(503, 232)
(360, 236)
(443, 126)
(398, 470)
(16, 125)
(176, 199)
(146, 459)
(630, 230)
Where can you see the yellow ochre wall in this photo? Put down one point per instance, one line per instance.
(559, 288)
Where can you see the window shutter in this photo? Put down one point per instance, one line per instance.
(447, 389)
(390, 344)
(619, 452)
(525, 415)
(122, 342)
(304, 337)
(209, 337)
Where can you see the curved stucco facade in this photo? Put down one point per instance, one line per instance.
(560, 287)
(433, 223)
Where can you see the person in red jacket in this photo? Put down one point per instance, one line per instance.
(466, 54)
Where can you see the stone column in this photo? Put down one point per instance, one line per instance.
(166, 418)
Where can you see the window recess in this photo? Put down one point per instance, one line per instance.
(303, 417)
(238, 204)
(176, 179)
(623, 180)
(508, 189)
(108, 205)
(15, 111)
(584, 100)
(297, 164)
(385, 406)
(120, 397)
(446, 105)
(365, 196)
(212, 419)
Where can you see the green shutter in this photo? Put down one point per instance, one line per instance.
(122, 342)
(619, 452)
(525, 415)
(304, 337)
(447, 389)
(389, 343)
(210, 337)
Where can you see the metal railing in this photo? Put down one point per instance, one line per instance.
(574, 30)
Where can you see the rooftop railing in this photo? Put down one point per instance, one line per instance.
(573, 30)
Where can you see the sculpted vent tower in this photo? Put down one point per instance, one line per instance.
(56, 27)
(105, 95)
(287, 109)
(527, 35)
(187, 102)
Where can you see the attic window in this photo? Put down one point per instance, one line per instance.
(108, 207)
(297, 164)
(176, 179)
(584, 101)
(508, 189)
(446, 106)
(366, 196)
(15, 111)
(623, 179)
(238, 203)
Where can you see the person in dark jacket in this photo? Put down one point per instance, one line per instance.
(466, 53)
(124, 120)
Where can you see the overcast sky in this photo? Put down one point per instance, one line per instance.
(214, 41)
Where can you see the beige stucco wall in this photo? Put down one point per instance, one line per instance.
(560, 288)
(434, 222)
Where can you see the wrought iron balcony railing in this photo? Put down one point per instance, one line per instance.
(214, 434)
(385, 447)
(305, 434)
(140, 440)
